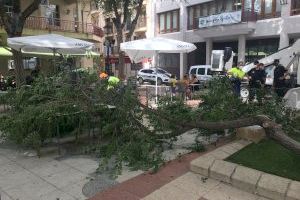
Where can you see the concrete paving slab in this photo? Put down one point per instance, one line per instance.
(174, 153)
(196, 184)
(222, 170)
(3, 160)
(226, 192)
(237, 145)
(228, 149)
(273, 187)
(4, 196)
(13, 180)
(219, 154)
(198, 179)
(245, 178)
(202, 164)
(10, 168)
(65, 178)
(57, 194)
(293, 192)
(33, 189)
(50, 168)
(83, 164)
(170, 191)
(75, 190)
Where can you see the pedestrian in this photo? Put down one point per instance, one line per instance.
(194, 82)
(279, 78)
(173, 83)
(2, 83)
(186, 82)
(112, 82)
(236, 75)
(257, 77)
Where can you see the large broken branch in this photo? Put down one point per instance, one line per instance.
(273, 130)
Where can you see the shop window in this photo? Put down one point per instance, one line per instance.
(169, 21)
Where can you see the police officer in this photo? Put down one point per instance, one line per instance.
(279, 78)
(257, 77)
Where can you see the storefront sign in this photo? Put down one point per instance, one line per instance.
(221, 19)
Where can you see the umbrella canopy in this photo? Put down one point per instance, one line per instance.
(138, 50)
(50, 43)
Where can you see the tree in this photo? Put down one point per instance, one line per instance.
(13, 25)
(123, 12)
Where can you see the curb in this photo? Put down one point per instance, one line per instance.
(270, 186)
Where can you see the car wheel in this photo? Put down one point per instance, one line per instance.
(159, 81)
(141, 81)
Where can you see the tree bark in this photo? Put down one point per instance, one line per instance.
(121, 66)
(19, 69)
(273, 130)
(13, 26)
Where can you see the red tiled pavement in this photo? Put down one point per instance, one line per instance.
(144, 184)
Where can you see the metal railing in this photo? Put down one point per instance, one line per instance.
(53, 24)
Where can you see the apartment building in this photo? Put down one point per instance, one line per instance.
(253, 28)
(111, 52)
(71, 18)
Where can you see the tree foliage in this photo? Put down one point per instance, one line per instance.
(73, 102)
(13, 25)
(122, 13)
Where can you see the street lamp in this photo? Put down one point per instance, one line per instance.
(283, 2)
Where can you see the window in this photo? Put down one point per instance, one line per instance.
(193, 71)
(201, 71)
(169, 21)
(268, 6)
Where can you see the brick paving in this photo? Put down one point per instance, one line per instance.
(144, 184)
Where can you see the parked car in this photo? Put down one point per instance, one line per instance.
(203, 72)
(149, 75)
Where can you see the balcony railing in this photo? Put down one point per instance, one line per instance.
(52, 24)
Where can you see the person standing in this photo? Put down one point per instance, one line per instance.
(236, 75)
(279, 78)
(257, 78)
(173, 83)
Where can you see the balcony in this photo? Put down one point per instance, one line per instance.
(51, 24)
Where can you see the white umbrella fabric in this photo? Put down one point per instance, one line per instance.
(50, 43)
(138, 50)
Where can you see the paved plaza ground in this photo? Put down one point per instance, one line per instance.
(23, 176)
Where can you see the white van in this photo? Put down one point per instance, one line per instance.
(203, 72)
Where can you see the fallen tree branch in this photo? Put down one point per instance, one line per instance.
(273, 130)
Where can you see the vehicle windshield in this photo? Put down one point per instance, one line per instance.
(161, 71)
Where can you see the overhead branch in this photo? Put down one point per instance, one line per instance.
(30, 9)
(125, 13)
(139, 9)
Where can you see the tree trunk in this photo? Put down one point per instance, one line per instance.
(121, 55)
(19, 69)
(273, 130)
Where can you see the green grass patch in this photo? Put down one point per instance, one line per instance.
(270, 157)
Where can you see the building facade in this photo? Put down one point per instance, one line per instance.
(253, 28)
(71, 18)
(111, 52)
